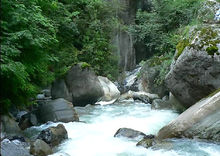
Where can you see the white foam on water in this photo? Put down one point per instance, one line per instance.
(95, 137)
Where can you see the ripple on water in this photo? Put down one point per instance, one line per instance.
(95, 137)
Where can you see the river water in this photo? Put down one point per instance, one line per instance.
(94, 136)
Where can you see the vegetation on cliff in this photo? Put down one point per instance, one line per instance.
(160, 28)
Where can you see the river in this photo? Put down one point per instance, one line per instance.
(94, 135)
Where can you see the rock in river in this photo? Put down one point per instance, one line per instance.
(195, 71)
(53, 135)
(56, 110)
(10, 148)
(130, 133)
(40, 148)
(202, 120)
(80, 86)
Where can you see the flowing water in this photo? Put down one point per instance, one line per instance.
(94, 136)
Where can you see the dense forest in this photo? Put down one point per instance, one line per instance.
(42, 39)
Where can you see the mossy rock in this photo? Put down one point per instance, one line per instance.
(212, 50)
(84, 65)
(181, 46)
(205, 38)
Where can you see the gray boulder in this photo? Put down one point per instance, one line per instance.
(80, 86)
(27, 120)
(46, 92)
(60, 90)
(83, 86)
(56, 110)
(130, 134)
(54, 135)
(9, 126)
(147, 141)
(195, 71)
(202, 120)
(142, 96)
(111, 92)
(40, 148)
(10, 148)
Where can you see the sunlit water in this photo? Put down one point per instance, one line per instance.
(95, 136)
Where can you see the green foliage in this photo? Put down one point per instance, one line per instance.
(181, 46)
(27, 38)
(212, 50)
(162, 64)
(42, 39)
(158, 28)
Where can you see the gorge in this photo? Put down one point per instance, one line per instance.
(114, 78)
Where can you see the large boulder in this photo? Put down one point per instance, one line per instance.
(10, 148)
(80, 86)
(60, 90)
(9, 126)
(202, 120)
(59, 110)
(130, 133)
(111, 92)
(195, 71)
(54, 135)
(83, 85)
(40, 148)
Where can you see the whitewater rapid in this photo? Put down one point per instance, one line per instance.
(94, 135)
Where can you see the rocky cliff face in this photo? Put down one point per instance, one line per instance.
(122, 40)
(128, 51)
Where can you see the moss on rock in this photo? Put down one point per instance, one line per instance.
(181, 46)
(201, 39)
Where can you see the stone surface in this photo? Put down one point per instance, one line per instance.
(147, 141)
(9, 126)
(56, 110)
(111, 91)
(202, 120)
(46, 92)
(168, 103)
(196, 72)
(27, 120)
(80, 86)
(124, 41)
(40, 97)
(40, 148)
(60, 90)
(160, 104)
(129, 133)
(83, 85)
(9, 148)
(54, 135)
(142, 96)
(20, 114)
